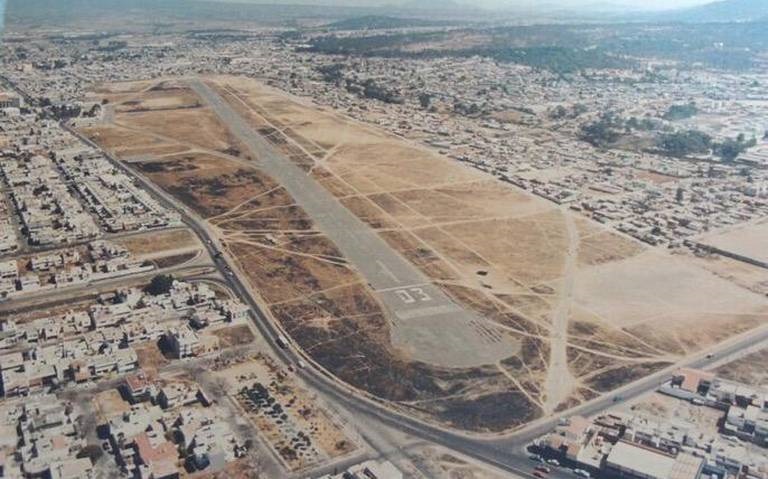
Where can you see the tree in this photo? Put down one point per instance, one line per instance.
(684, 143)
(92, 452)
(680, 112)
(160, 284)
(558, 112)
(425, 99)
(730, 149)
(603, 131)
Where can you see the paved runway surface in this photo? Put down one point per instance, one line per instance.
(426, 323)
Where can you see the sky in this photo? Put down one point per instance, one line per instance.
(665, 4)
(524, 4)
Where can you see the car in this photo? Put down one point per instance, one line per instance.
(544, 469)
(582, 473)
(538, 474)
(535, 457)
(617, 398)
(553, 462)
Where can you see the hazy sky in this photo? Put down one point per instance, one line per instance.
(634, 3)
(526, 4)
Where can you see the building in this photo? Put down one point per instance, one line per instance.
(368, 470)
(627, 460)
(10, 100)
(183, 342)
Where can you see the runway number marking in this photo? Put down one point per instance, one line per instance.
(412, 295)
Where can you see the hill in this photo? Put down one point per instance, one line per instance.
(725, 11)
(381, 22)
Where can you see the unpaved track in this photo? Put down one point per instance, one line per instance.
(559, 383)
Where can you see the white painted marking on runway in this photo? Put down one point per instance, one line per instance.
(387, 271)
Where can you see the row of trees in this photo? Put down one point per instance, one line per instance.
(692, 142)
(610, 127)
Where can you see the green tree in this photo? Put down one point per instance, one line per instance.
(160, 284)
(684, 143)
(425, 99)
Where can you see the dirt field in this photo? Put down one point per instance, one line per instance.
(163, 248)
(623, 310)
(746, 242)
(150, 357)
(748, 370)
(590, 309)
(109, 404)
(300, 274)
(149, 243)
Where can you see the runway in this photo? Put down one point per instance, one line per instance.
(426, 323)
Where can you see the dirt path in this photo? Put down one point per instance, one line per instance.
(560, 383)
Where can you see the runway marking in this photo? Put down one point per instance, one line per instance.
(395, 288)
(413, 295)
(387, 271)
(428, 311)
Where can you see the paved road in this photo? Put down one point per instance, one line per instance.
(505, 453)
(425, 322)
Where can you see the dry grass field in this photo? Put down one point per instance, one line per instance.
(749, 369)
(628, 310)
(589, 309)
(321, 301)
(743, 242)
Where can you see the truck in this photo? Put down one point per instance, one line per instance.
(282, 341)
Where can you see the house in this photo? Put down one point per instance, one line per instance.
(156, 455)
(138, 388)
(183, 342)
(635, 461)
(177, 394)
(72, 469)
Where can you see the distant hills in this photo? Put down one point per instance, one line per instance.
(432, 5)
(725, 11)
(381, 22)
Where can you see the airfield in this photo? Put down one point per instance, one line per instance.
(411, 276)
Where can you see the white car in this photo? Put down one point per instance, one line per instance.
(582, 473)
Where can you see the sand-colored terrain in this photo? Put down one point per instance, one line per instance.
(746, 242)
(589, 309)
(630, 310)
(299, 274)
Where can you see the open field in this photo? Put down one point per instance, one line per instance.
(563, 294)
(320, 300)
(749, 369)
(163, 248)
(623, 310)
(746, 242)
